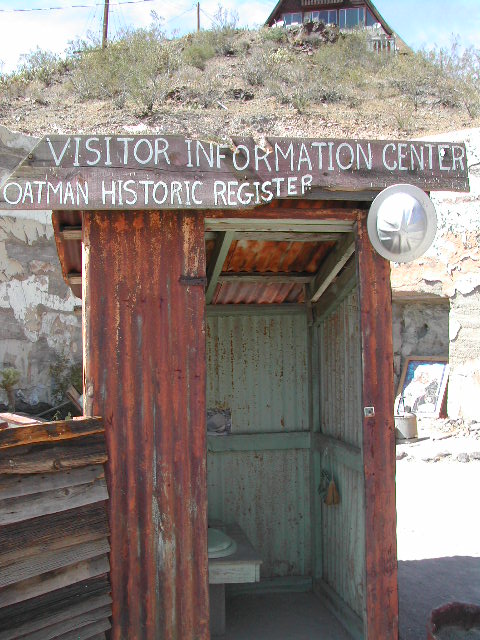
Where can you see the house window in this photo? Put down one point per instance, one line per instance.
(327, 17)
(371, 19)
(350, 18)
(292, 18)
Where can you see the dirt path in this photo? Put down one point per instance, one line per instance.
(438, 512)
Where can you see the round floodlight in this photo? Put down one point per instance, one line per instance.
(402, 223)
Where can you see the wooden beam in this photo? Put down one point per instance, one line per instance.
(266, 278)
(71, 233)
(331, 267)
(74, 278)
(347, 454)
(286, 225)
(336, 292)
(256, 309)
(287, 236)
(381, 590)
(259, 442)
(217, 261)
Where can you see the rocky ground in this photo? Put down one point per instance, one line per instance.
(438, 520)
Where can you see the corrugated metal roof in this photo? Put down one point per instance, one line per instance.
(245, 256)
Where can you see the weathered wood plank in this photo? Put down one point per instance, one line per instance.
(54, 605)
(336, 292)
(71, 233)
(53, 532)
(42, 458)
(53, 580)
(217, 260)
(259, 442)
(345, 453)
(171, 172)
(378, 440)
(266, 278)
(286, 224)
(285, 236)
(40, 504)
(50, 432)
(88, 632)
(50, 561)
(255, 309)
(72, 624)
(331, 267)
(15, 487)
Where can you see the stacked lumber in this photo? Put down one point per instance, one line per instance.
(54, 531)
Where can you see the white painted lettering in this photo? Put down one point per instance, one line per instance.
(88, 147)
(221, 156)
(56, 191)
(303, 157)
(108, 162)
(195, 186)
(349, 148)
(108, 192)
(209, 156)
(126, 142)
(136, 151)
(77, 150)
(267, 192)
(442, 152)
(6, 195)
(82, 190)
(40, 184)
(306, 182)
(367, 156)
(402, 154)
(27, 193)
(261, 156)
(189, 153)
(292, 185)
(321, 146)
(248, 195)
(285, 156)
(146, 185)
(241, 149)
(417, 157)
(160, 185)
(458, 159)
(393, 166)
(68, 194)
(219, 189)
(58, 159)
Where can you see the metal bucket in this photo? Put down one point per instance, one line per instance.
(455, 620)
(406, 426)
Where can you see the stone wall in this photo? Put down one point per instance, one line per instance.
(419, 329)
(451, 270)
(37, 318)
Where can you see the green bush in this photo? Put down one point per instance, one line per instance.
(197, 54)
(42, 65)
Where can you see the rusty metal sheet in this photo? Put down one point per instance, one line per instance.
(341, 373)
(145, 374)
(257, 366)
(247, 293)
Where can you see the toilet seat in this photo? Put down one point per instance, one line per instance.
(220, 545)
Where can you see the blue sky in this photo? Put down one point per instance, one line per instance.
(418, 22)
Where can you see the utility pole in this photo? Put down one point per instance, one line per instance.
(105, 24)
(198, 16)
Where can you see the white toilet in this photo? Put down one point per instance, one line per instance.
(220, 545)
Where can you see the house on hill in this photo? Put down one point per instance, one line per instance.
(346, 14)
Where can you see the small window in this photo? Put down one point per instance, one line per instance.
(350, 18)
(292, 18)
(327, 17)
(371, 20)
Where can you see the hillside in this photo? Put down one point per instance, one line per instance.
(309, 81)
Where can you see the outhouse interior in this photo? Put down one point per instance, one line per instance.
(283, 355)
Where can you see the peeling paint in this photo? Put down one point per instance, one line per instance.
(37, 318)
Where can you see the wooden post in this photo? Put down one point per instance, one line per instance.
(144, 341)
(105, 24)
(378, 439)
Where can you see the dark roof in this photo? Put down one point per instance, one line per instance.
(273, 16)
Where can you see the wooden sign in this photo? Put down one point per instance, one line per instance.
(173, 172)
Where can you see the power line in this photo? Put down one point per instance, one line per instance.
(73, 6)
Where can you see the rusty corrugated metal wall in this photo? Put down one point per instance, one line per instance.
(258, 367)
(340, 382)
(145, 374)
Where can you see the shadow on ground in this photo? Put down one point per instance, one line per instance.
(427, 584)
